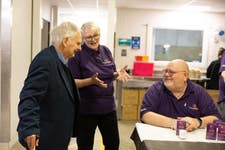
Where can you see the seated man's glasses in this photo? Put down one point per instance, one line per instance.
(93, 37)
(171, 72)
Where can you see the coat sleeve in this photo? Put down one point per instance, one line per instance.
(35, 88)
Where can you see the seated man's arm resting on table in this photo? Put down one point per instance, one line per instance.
(156, 119)
(207, 119)
(159, 120)
(194, 123)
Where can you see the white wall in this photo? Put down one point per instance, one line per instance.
(22, 51)
(132, 22)
(46, 10)
(41, 9)
(36, 27)
(20, 58)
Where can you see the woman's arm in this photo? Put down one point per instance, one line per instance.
(90, 81)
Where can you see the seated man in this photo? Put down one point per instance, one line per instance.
(176, 97)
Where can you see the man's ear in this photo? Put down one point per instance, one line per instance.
(186, 76)
(65, 42)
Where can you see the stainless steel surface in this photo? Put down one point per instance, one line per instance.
(138, 83)
(5, 47)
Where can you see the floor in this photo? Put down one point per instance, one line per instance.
(125, 130)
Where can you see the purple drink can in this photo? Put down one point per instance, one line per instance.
(181, 125)
(211, 131)
(221, 132)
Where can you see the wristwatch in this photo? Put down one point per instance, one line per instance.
(200, 122)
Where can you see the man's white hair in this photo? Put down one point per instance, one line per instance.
(64, 30)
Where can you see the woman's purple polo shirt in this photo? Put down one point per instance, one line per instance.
(87, 62)
(195, 102)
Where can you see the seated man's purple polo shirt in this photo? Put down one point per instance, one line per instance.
(195, 102)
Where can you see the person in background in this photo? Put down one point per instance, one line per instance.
(221, 98)
(213, 72)
(49, 100)
(176, 97)
(94, 71)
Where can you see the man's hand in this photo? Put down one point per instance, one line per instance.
(191, 123)
(32, 141)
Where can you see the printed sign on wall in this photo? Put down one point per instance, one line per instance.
(124, 42)
(135, 40)
(123, 52)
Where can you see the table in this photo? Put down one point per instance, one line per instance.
(148, 137)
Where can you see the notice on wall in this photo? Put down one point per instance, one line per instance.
(123, 52)
(135, 42)
(124, 42)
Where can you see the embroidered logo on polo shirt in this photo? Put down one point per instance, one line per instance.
(194, 107)
(106, 61)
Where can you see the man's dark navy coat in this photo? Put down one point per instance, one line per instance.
(48, 102)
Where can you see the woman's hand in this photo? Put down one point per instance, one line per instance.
(123, 75)
(97, 81)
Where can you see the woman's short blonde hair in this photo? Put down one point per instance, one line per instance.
(90, 26)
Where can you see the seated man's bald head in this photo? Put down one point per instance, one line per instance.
(181, 64)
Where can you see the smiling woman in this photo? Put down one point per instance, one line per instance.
(94, 71)
(93, 37)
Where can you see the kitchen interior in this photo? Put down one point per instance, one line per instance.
(146, 34)
(143, 34)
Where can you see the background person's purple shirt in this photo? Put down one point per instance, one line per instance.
(221, 81)
(86, 63)
(195, 102)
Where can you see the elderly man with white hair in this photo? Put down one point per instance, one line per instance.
(49, 100)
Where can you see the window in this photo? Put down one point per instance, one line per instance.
(169, 44)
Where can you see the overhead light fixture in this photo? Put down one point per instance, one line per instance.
(195, 8)
(195, 5)
(70, 3)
